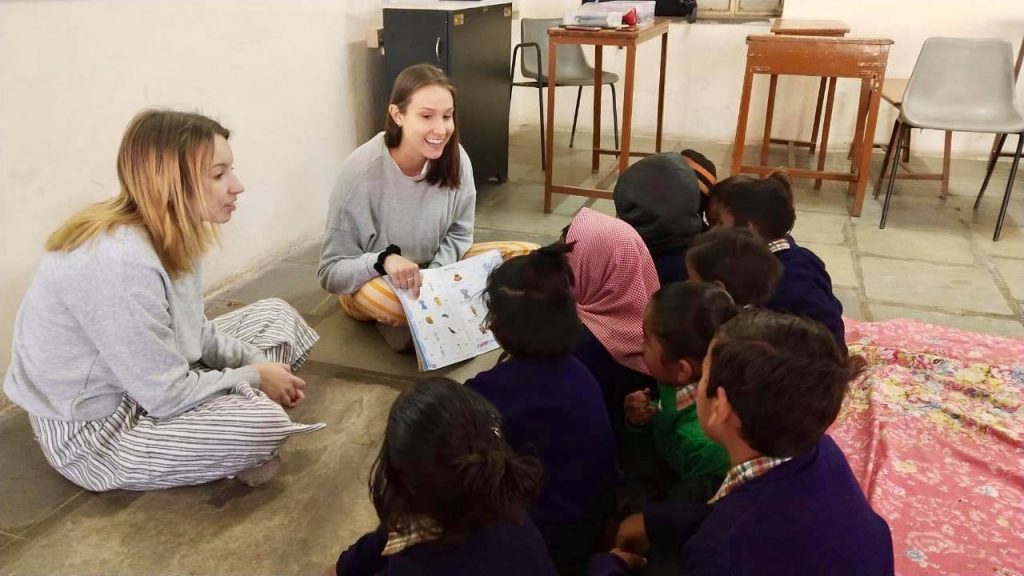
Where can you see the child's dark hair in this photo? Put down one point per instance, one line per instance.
(740, 260)
(685, 315)
(531, 309)
(444, 457)
(784, 376)
(766, 203)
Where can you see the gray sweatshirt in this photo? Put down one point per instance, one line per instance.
(374, 204)
(106, 320)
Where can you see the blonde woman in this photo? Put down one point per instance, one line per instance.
(127, 383)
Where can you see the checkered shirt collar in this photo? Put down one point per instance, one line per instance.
(779, 245)
(745, 472)
(423, 530)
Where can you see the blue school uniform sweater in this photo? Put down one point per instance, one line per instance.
(671, 267)
(615, 379)
(504, 549)
(805, 289)
(553, 408)
(805, 517)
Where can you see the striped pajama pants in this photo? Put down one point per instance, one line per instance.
(221, 437)
(375, 300)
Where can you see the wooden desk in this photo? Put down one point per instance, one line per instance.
(863, 59)
(802, 27)
(628, 39)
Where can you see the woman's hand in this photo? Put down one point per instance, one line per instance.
(280, 385)
(638, 407)
(404, 273)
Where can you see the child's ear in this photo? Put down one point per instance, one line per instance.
(687, 373)
(721, 410)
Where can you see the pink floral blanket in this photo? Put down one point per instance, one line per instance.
(934, 433)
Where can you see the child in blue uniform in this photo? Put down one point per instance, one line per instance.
(550, 403)
(766, 206)
(450, 493)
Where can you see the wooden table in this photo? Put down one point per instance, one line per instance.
(625, 38)
(802, 27)
(863, 59)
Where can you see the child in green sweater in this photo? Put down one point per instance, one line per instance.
(680, 321)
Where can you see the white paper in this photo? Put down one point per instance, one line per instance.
(447, 319)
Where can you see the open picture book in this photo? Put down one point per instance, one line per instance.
(447, 319)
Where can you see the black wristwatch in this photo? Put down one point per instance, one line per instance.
(391, 249)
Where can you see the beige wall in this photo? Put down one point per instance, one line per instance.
(293, 81)
(706, 64)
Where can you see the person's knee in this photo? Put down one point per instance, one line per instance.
(280, 309)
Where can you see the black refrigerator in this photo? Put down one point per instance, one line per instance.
(471, 42)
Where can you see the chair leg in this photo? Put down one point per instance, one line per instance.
(575, 115)
(1000, 140)
(1009, 187)
(947, 149)
(615, 116)
(885, 159)
(540, 107)
(904, 132)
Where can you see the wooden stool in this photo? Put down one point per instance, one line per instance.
(863, 59)
(892, 92)
(799, 27)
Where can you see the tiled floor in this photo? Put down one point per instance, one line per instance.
(935, 262)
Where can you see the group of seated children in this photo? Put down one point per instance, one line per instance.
(716, 392)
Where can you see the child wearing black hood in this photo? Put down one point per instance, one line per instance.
(663, 197)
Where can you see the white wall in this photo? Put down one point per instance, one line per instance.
(706, 64)
(293, 80)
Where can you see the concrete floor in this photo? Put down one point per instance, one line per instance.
(935, 262)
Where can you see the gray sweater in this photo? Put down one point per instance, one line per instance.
(374, 204)
(106, 320)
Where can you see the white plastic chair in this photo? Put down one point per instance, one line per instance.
(963, 85)
(573, 70)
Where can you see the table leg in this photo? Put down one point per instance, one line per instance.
(817, 115)
(741, 123)
(627, 108)
(661, 91)
(857, 147)
(825, 129)
(552, 72)
(595, 156)
(772, 84)
(862, 103)
(875, 96)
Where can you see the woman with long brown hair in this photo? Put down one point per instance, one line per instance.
(127, 383)
(405, 200)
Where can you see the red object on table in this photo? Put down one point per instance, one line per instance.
(629, 18)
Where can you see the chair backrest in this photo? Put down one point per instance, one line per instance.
(571, 60)
(968, 81)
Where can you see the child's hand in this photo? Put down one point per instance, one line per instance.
(638, 407)
(632, 536)
(633, 561)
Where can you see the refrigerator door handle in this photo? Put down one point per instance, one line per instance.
(437, 49)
